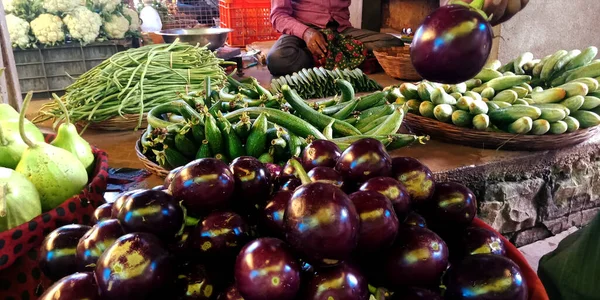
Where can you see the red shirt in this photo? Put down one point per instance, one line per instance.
(291, 16)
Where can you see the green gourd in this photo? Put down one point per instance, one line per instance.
(11, 144)
(56, 173)
(68, 138)
(19, 200)
(8, 113)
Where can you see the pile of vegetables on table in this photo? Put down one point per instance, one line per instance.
(553, 95)
(359, 224)
(36, 177)
(244, 118)
(137, 80)
(52, 22)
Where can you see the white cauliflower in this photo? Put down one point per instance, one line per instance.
(83, 24)
(48, 29)
(24, 9)
(105, 6)
(55, 6)
(9, 5)
(18, 29)
(133, 18)
(115, 26)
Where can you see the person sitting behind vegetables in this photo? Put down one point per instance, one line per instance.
(319, 32)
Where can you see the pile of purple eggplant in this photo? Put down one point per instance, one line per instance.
(351, 225)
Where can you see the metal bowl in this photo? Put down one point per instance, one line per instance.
(214, 38)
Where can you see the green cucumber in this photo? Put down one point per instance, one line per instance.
(591, 70)
(508, 96)
(213, 134)
(455, 95)
(552, 114)
(439, 96)
(572, 124)
(521, 91)
(475, 96)
(204, 150)
(590, 102)
(520, 102)
(552, 95)
(174, 158)
(443, 112)
(256, 144)
(424, 90)
(494, 65)
(481, 122)
(283, 119)
(558, 127)
(413, 105)
(521, 126)
(486, 75)
(548, 67)
(492, 106)
(462, 118)
(472, 83)
(510, 114)
(537, 70)
(185, 145)
(563, 61)
(458, 88)
(584, 58)
(540, 127)
(488, 93)
(573, 103)
(478, 107)
(371, 100)
(553, 106)
(574, 88)
(347, 110)
(426, 109)
(409, 90)
(520, 61)
(346, 89)
(464, 103)
(500, 104)
(504, 82)
(590, 82)
(507, 67)
(586, 118)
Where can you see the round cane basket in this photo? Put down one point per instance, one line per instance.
(118, 123)
(151, 166)
(396, 63)
(495, 140)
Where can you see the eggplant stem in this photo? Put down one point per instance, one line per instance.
(24, 137)
(63, 108)
(299, 170)
(478, 4)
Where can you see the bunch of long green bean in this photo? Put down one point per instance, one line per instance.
(136, 80)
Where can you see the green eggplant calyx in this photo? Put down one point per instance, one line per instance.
(24, 137)
(476, 5)
(299, 171)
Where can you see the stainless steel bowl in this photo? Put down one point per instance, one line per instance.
(214, 38)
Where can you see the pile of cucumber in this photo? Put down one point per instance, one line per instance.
(320, 83)
(554, 95)
(244, 119)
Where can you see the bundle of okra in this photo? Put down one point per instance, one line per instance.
(136, 80)
(245, 119)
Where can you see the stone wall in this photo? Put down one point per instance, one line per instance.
(537, 196)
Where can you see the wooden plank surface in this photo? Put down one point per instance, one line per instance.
(10, 91)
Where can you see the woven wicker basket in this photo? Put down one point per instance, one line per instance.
(495, 140)
(127, 122)
(395, 61)
(151, 166)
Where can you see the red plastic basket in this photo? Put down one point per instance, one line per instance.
(20, 277)
(249, 20)
(534, 284)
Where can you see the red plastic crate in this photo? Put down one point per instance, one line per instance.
(249, 20)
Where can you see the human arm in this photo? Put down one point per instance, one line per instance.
(500, 10)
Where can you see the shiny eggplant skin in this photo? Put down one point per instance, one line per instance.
(378, 222)
(57, 257)
(75, 286)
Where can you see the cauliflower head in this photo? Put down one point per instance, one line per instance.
(83, 24)
(133, 18)
(18, 29)
(55, 6)
(105, 6)
(48, 29)
(116, 26)
(24, 9)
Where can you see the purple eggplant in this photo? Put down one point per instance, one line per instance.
(74, 286)
(121, 198)
(219, 234)
(378, 222)
(451, 45)
(193, 283)
(478, 240)
(415, 177)
(154, 212)
(415, 293)
(291, 185)
(453, 205)
(103, 212)
(170, 176)
(485, 277)
(320, 153)
(96, 241)
(272, 214)
(342, 282)
(231, 293)
(321, 223)
(266, 269)
(363, 160)
(252, 179)
(414, 219)
(417, 258)
(393, 190)
(327, 175)
(136, 266)
(57, 256)
(203, 185)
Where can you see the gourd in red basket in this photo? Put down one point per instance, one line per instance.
(56, 173)
(19, 200)
(68, 138)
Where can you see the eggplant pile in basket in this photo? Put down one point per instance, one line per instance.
(331, 224)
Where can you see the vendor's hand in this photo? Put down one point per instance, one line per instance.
(500, 10)
(315, 41)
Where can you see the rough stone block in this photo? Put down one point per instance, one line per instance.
(530, 235)
(511, 206)
(558, 225)
(588, 215)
